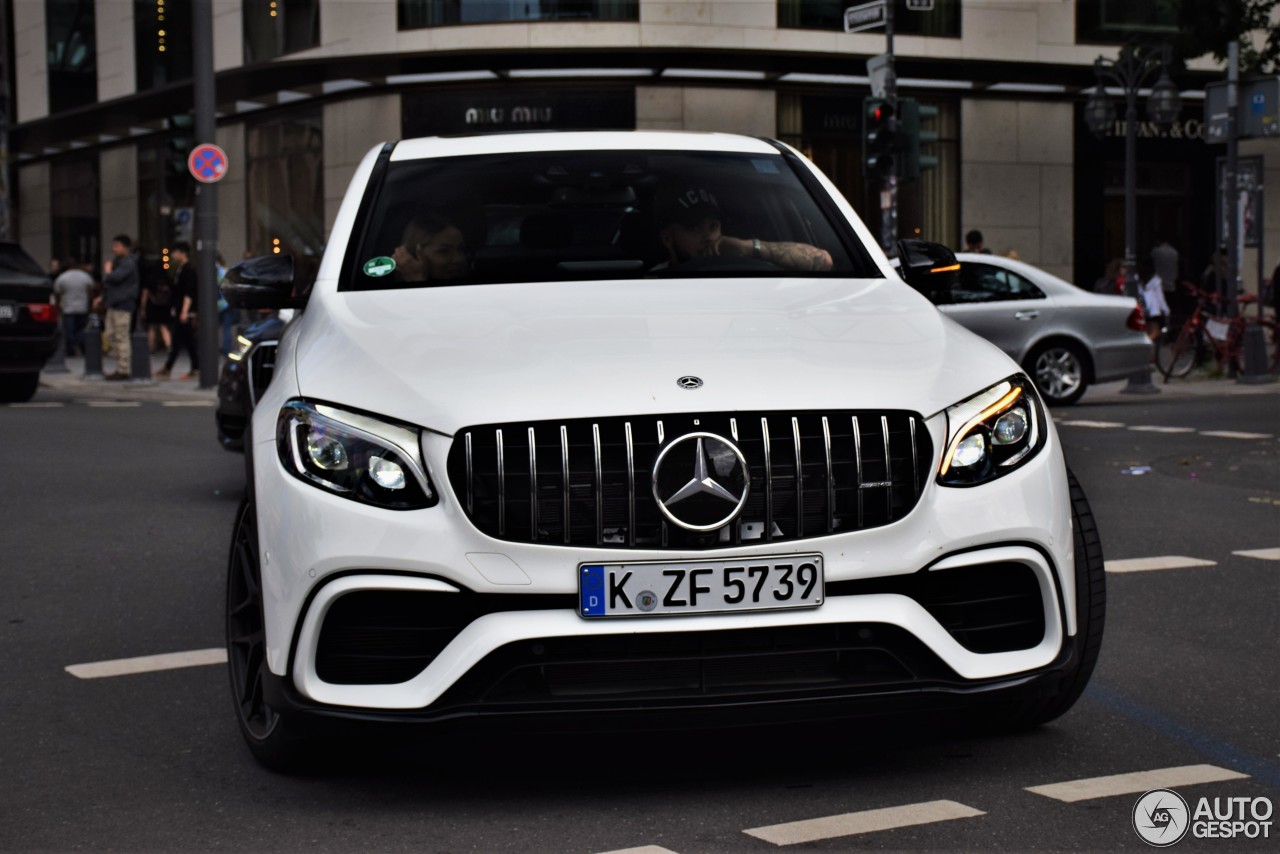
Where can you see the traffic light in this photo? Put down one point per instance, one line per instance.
(879, 136)
(913, 113)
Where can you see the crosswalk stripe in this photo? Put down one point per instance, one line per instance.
(1234, 434)
(1150, 428)
(1101, 425)
(114, 404)
(869, 821)
(1146, 564)
(188, 403)
(1141, 781)
(148, 663)
(1260, 554)
(37, 405)
(643, 849)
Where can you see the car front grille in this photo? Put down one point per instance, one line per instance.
(588, 482)
(383, 637)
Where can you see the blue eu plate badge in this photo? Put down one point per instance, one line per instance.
(591, 590)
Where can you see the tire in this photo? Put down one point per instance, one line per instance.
(1058, 370)
(18, 388)
(272, 738)
(1176, 358)
(1091, 613)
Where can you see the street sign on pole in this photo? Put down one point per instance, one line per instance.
(879, 68)
(207, 163)
(1257, 114)
(868, 16)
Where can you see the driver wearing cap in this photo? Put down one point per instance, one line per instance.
(689, 227)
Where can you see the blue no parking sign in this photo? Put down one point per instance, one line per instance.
(207, 163)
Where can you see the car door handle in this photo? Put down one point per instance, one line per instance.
(1026, 315)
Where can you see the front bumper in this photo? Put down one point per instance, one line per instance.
(317, 548)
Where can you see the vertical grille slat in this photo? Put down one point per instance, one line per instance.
(831, 483)
(807, 481)
(595, 433)
(564, 480)
(502, 487)
(888, 465)
(533, 485)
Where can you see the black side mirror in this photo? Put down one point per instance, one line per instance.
(930, 268)
(262, 282)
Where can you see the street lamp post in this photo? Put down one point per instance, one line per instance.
(1134, 67)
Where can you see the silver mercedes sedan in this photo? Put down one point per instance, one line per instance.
(1064, 337)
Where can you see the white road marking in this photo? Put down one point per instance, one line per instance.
(869, 821)
(1234, 434)
(1260, 554)
(188, 403)
(1148, 428)
(148, 663)
(114, 404)
(37, 405)
(643, 849)
(1102, 425)
(1146, 564)
(1141, 781)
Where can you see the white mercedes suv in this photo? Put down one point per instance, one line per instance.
(610, 428)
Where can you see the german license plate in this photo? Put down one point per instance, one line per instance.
(8, 311)
(700, 587)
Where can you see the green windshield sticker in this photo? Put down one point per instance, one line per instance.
(380, 266)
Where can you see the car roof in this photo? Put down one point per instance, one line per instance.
(551, 141)
(1030, 271)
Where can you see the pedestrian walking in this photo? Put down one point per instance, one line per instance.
(1164, 260)
(182, 308)
(1155, 307)
(1112, 279)
(157, 296)
(120, 287)
(73, 287)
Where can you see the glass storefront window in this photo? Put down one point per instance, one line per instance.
(1115, 21)
(73, 201)
(161, 42)
(166, 190)
(285, 187)
(416, 14)
(71, 42)
(277, 27)
(943, 20)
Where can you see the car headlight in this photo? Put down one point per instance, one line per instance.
(356, 456)
(242, 346)
(992, 433)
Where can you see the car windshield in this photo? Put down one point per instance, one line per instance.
(13, 259)
(586, 215)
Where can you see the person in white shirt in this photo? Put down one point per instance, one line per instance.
(1154, 306)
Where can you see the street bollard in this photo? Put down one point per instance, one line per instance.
(139, 355)
(57, 363)
(1254, 346)
(1140, 383)
(93, 348)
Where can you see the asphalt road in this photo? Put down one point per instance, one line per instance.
(116, 525)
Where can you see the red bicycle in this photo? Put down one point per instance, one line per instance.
(1206, 331)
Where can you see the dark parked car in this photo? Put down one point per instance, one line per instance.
(28, 323)
(244, 376)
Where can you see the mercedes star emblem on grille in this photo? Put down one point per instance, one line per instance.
(689, 382)
(717, 490)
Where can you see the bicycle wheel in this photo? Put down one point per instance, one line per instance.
(1176, 359)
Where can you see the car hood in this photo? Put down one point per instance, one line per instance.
(450, 357)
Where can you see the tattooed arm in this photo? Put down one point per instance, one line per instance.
(788, 256)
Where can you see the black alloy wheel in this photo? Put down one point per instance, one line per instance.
(265, 731)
